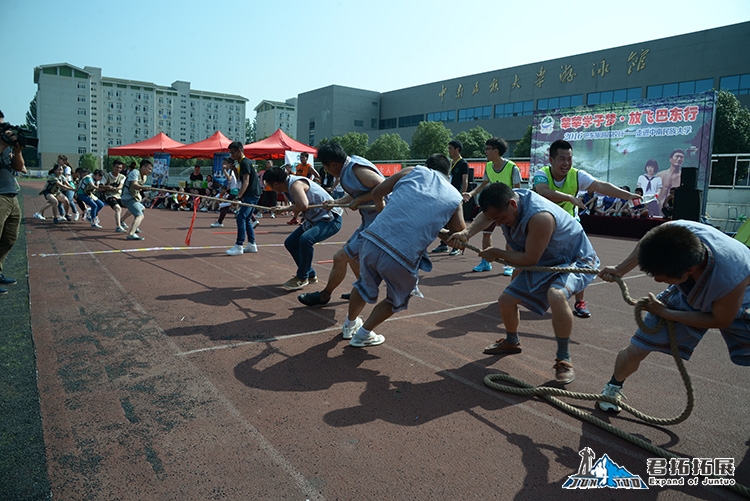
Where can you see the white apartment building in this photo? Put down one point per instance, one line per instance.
(80, 111)
(271, 116)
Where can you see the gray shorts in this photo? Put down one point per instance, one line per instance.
(531, 287)
(135, 208)
(375, 266)
(354, 244)
(736, 336)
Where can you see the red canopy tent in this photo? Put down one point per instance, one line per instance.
(275, 145)
(218, 143)
(159, 143)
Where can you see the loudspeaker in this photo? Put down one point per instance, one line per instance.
(689, 177)
(687, 203)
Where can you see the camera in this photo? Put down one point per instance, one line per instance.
(23, 137)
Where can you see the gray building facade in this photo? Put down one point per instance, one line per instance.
(503, 101)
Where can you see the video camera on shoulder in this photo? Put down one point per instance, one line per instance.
(14, 135)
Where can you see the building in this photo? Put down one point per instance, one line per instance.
(80, 111)
(503, 101)
(271, 116)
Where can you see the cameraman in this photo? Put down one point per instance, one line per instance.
(11, 160)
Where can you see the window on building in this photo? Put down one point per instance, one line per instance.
(81, 125)
(680, 88)
(388, 123)
(359, 123)
(373, 123)
(442, 116)
(81, 85)
(559, 102)
(739, 85)
(477, 113)
(81, 137)
(410, 121)
(81, 151)
(81, 111)
(517, 109)
(614, 96)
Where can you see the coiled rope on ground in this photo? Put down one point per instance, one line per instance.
(550, 393)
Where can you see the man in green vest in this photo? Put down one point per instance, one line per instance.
(560, 182)
(498, 170)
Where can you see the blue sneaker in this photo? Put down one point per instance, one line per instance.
(483, 266)
(508, 271)
(580, 310)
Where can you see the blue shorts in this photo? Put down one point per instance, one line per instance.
(375, 266)
(531, 287)
(736, 336)
(354, 244)
(135, 208)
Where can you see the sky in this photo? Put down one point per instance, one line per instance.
(278, 49)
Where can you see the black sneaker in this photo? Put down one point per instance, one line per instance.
(346, 296)
(312, 299)
(3, 291)
(440, 249)
(7, 280)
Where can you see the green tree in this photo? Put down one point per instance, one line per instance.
(429, 138)
(89, 161)
(31, 117)
(731, 135)
(388, 147)
(250, 128)
(473, 141)
(523, 147)
(354, 143)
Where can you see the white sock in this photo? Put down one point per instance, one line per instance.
(363, 333)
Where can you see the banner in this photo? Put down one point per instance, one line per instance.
(292, 158)
(160, 174)
(217, 170)
(621, 142)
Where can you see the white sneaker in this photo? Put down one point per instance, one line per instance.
(76, 216)
(124, 225)
(372, 340)
(348, 332)
(120, 229)
(96, 225)
(273, 216)
(39, 216)
(235, 250)
(203, 209)
(217, 225)
(250, 248)
(614, 391)
(255, 223)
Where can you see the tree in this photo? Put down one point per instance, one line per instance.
(473, 142)
(429, 138)
(89, 161)
(523, 147)
(354, 143)
(250, 128)
(731, 135)
(388, 147)
(31, 117)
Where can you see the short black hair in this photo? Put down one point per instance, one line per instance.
(670, 249)
(498, 143)
(236, 146)
(331, 152)
(652, 162)
(145, 162)
(275, 175)
(560, 144)
(438, 162)
(497, 196)
(457, 145)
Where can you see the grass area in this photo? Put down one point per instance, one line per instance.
(23, 463)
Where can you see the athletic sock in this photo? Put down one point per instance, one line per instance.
(512, 337)
(616, 382)
(562, 348)
(363, 333)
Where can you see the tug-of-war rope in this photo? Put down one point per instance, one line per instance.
(549, 393)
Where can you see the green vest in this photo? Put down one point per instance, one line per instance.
(504, 176)
(569, 187)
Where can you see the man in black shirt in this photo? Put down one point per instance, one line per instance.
(459, 175)
(249, 193)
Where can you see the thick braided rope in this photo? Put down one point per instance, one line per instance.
(549, 393)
